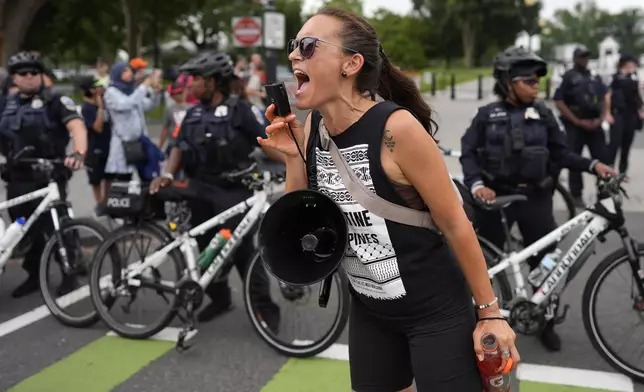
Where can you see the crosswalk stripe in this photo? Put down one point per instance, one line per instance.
(575, 377)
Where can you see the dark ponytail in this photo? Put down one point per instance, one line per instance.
(397, 87)
(378, 75)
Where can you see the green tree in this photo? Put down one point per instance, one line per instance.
(16, 17)
(213, 18)
(354, 6)
(585, 24)
(402, 38)
(480, 22)
(628, 29)
(78, 31)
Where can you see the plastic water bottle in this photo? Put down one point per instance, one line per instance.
(208, 255)
(12, 234)
(494, 380)
(546, 265)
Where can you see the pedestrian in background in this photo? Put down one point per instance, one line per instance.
(174, 114)
(99, 134)
(627, 111)
(581, 100)
(126, 104)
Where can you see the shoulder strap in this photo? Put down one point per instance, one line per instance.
(369, 200)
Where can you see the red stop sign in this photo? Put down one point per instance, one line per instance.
(247, 31)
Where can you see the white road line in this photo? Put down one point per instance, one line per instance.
(575, 377)
(42, 311)
(168, 334)
(337, 351)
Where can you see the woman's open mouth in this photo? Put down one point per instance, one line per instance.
(302, 80)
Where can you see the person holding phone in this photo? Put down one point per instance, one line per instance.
(216, 137)
(412, 315)
(126, 104)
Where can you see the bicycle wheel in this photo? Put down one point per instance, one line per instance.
(599, 334)
(568, 200)
(109, 254)
(64, 309)
(295, 347)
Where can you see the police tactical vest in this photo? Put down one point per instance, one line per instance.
(585, 98)
(217, 145)
(29, 124)
(516, 143)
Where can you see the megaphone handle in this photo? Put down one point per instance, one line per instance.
(325, 291)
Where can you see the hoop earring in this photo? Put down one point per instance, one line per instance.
(344, 74)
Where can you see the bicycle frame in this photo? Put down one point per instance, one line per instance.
(255, 205)
(593, 224)
(51, 195)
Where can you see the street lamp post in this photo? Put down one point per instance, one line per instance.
(271, 54)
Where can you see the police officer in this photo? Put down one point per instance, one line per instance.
(627, 110)
(581, 100)
(44, 120)
(216, 137)
(514, 146)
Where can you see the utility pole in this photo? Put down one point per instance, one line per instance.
(271, 54)
(273, 36)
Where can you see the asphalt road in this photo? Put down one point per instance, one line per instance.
(229, 356)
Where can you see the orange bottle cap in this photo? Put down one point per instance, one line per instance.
(226, 233)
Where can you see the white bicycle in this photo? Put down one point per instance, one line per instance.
(69, 257)
(528, 314)
(186, 289)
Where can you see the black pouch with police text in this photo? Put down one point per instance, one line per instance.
(125, 200)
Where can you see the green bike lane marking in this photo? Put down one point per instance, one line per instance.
(101, 365)
(109, 361)
(329, 372)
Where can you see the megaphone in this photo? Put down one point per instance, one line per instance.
(302, 238)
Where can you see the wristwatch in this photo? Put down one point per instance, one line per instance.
(168, 175)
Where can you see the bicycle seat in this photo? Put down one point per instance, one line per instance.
(500, 202)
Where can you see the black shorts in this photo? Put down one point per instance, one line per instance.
(387, 355)
(95, 168)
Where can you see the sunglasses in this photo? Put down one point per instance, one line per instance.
(528, 80)
(26, 72)
(307, 45)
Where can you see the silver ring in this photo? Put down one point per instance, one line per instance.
(506, 353)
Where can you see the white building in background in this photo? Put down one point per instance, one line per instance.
(608, 54)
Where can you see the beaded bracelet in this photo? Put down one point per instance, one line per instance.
(485, 306)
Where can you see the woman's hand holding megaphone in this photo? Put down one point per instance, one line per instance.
(279, 136)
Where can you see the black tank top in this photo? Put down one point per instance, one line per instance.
(395, 270)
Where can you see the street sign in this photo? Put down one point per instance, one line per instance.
(247, 32)
(274, 30)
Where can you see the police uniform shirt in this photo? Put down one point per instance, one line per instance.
(572, 79)
(242, 122)
(490, 126)
(625, 93)
(59, 110)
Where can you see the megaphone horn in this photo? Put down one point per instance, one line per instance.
(302, 238)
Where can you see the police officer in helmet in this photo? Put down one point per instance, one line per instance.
(515, 146)
(581, 100)
(215, 138)
(38, 117)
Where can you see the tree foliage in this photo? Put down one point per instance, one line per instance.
(589, 25)
(402, 38)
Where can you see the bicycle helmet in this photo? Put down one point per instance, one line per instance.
(215, 64)
(514, 58)
(23, 60)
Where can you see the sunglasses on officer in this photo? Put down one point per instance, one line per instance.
(527, 80)
(307, 46)
(25, 72)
